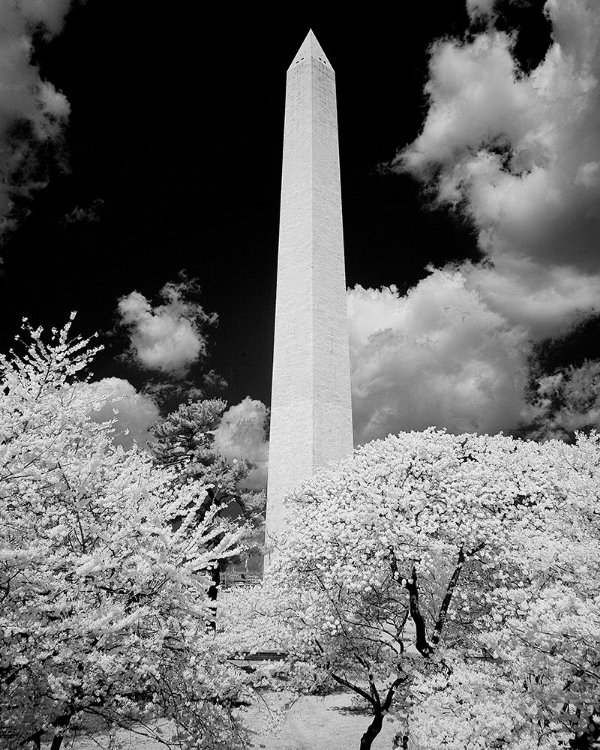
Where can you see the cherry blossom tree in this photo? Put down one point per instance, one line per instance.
(450, 582)
(103, 601)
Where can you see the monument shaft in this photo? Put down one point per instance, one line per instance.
(311, 412)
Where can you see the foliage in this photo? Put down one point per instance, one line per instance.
(185, 439)
(185, 442)
(451, 581)
(104, 603)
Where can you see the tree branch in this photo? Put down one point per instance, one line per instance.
(422, 644)
(363, 693)
(343, 681)
(392, 691)
(443, 613)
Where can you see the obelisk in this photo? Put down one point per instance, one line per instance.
(311, 410)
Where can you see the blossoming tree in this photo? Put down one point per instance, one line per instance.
(185, 441)
(103, 599)
(451, 581)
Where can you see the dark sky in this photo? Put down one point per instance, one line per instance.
(171, 160)
(176, 126)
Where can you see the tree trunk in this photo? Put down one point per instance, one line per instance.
(35, 739)
(213, 593)
(61, 723)
(373, 730)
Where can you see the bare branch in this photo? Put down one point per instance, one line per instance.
(443, 613)
(422, 644)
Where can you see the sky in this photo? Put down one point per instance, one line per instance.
(141, 161)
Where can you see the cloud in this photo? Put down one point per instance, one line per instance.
(476, 8)
(242, 434)
(547, 301)
(519, 155)
(134, 412)
(91, 214)
(49, 14)
(168, 338)
(32, 112)
(438, 356)
(564, 402)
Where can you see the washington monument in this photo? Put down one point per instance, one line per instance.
(311, 411)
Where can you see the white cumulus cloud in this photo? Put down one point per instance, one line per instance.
(438, 356)
(134, 412)
(169, 337)
(518, 154)
(241, 434)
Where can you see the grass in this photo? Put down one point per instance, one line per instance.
(332, 722)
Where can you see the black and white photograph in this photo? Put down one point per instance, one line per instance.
(300, 362)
